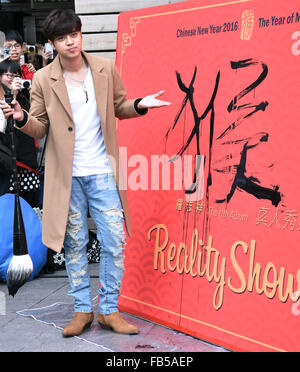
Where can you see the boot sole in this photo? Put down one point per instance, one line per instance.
(109, 328)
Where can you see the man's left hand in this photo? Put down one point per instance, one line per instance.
(151, 101)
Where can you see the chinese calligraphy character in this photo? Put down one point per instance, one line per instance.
(290, 219)
(249, 184)
(199, 207)
(188, 207)
(179, 204)
(262, 216)
(189, 91)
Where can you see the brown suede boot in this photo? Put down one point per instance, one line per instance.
(78, 324)
(116, 323)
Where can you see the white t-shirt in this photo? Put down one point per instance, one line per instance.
(90, 155)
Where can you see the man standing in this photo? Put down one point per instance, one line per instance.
(76, 99)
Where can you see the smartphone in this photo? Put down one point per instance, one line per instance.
(48, 48)
(4, 52)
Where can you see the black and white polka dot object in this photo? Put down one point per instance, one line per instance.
(28, 180)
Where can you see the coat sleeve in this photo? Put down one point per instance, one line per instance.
(37, 119)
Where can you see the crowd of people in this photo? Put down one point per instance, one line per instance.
(16, 74)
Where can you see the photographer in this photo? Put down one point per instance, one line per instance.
(10, 79)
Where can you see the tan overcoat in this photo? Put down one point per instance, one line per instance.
(51, 110)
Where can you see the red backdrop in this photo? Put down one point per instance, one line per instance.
(223, 264)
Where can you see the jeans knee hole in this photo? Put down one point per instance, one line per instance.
(114, 212)
(74, 227)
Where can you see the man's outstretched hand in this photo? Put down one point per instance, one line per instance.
(151, 101)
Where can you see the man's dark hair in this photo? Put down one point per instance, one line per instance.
(61, 22)
(10, 66)
(11, 35)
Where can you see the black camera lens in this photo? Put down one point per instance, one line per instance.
(26, 84)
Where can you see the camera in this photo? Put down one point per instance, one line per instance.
(31, 49)
(26, 84)
(5, 52)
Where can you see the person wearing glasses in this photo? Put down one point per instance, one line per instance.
(14, 42)
(10, 79)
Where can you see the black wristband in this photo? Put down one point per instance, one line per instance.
(20, 124)
(139, 111)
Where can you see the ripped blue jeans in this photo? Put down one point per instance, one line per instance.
(98, 194)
